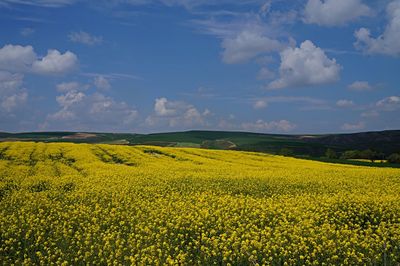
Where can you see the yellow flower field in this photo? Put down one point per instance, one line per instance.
(82, 204)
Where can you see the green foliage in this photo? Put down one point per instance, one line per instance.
(352, 154)
(286, 152)
(394, 158)
(331, 154)
(40, 186)
(386, 142)
(7, 189)
(369, 155)
(68, 187)
(365, 154)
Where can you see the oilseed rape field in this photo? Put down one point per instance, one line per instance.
(85, 204)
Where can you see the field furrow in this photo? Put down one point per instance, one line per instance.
(83, 204)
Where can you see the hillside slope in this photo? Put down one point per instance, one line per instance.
(386, 142)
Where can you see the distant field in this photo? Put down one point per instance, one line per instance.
(365, 160)
(386, 142)
(97, 204)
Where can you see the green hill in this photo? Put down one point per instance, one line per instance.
(385, 142)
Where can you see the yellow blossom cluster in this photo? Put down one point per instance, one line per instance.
(83, 204)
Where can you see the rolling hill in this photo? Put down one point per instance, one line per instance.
(385, 142)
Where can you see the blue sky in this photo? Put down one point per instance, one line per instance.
(277, 66)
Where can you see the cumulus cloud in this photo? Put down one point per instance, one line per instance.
(17, 58)
(360, 86)
(70, 98)
(304, 66)
(388, 43)
(265, 73)
(163, 107)
(80, 111)
(84, 38)
(176, 114)
(263, 126)
(260, 104)
(101, 82)
(334, 12)
(55, 63)
(12, 101)
(389, 103)
(353, 127)
(344, 103)
(70, 86)
(12, 95)
(247, 45)
(9, 81)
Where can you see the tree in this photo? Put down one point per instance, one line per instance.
(330, 154)
(380, 156)
(369, 155)
(286, 152)
(394, 158)
(351, 155)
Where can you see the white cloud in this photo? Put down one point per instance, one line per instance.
(306, 65)
(345, 103)
(55, 63)
(370, 114)
(247, 45)
(389, 103)
(306, 103)
(176, 114)
(12, 101)
(360, 86)
(27, 32)
(163, 107)
(70, 98)
(334, 12)
(260, 104)
(12, 95)
(352, 127)
(192, 114)
(9, 81)
(17, 58)
(265, 73)
(84, 38)
(70, 86)
(263, 126)
(102, 82)
(207, 112)
(80, 111)
(388, 42)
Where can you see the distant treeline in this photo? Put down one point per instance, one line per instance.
(367, 154)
